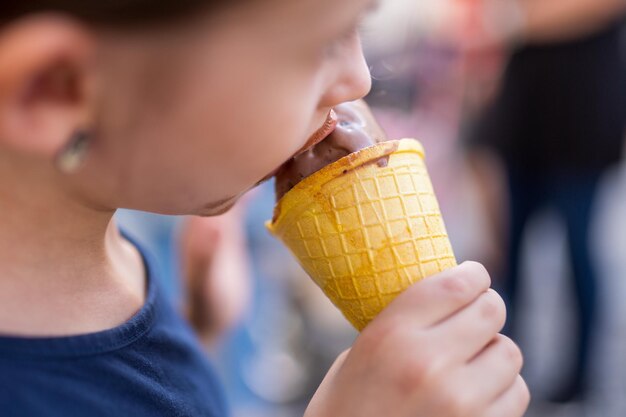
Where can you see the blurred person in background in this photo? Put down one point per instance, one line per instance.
(181, 107)
(555, 125)
(215, 267)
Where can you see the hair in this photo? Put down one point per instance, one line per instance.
(108, 12)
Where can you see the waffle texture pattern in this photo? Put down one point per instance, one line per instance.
(366, 227)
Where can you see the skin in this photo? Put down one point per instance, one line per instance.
(185, 120)
(158, 103)
(433, 352)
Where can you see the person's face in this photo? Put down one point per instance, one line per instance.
(190, 120)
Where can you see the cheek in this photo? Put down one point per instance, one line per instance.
(213, 137)
(253, 127)
(219, 141)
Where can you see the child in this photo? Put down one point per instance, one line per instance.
(179, 107)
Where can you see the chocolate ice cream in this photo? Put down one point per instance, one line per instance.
(356, 129)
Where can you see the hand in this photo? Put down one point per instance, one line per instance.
(216, 272)
(434, 352)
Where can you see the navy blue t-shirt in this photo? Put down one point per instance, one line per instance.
(150, 366)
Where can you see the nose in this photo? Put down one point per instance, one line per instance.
(352, 79)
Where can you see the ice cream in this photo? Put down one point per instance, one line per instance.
(356, 129)
(360, 216)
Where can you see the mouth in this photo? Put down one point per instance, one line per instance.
(320, 134)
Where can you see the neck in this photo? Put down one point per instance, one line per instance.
(64, 268)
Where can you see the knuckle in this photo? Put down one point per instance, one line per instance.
(415, 374)
(457, 287)
(419, 370)
(456, 403)
(465, 281)
(512, 352)
(417, 364)
(478, 272)
(492, 307)
(523, 397)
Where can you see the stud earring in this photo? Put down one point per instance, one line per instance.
(73, 154)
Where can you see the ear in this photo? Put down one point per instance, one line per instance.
(46, 84)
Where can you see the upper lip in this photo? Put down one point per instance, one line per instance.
(320, 134)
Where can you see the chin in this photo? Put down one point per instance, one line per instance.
(217, 207)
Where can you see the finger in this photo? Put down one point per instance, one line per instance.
(440, 296)
(316, 405)
(495, 370)
(471, 329)
(338, 362)
(512, 403)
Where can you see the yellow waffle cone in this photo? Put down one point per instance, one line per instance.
(365, 230)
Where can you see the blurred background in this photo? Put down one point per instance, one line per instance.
(521, 108)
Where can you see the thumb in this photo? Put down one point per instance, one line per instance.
(317, 406)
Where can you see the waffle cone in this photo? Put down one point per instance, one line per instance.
(366, 227)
